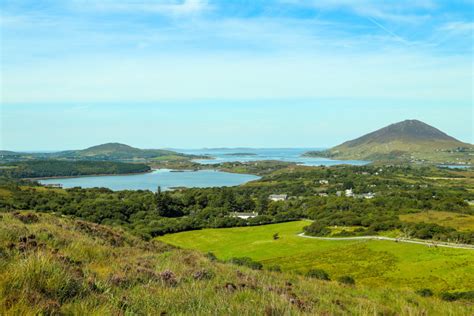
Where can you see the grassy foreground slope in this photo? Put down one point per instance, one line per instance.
(53, 265)
(370, 262)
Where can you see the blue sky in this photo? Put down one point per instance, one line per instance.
(285, 73)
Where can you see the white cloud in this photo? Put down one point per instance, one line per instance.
(172, 8)
(397, 11)
(458, 27)
(226, 57)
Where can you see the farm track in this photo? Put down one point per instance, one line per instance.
(412, 241)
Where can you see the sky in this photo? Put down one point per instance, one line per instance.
(195, 73)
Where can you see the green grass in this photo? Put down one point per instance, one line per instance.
(462, 222)
(53, 266)
(372, 263)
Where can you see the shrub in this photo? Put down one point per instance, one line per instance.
(27, 218)
(211, 256)
(346, 279)
(203, 275)
(317, 229)
(454, 296)
(424, 292)
(318, 274)
(274, 268)
(248, 262)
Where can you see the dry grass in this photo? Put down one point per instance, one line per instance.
(461, 222)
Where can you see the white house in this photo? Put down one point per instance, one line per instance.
(244, 215)
(53, 185)
(278, 197)
(349, 193)
(323, 181)
(369, 195)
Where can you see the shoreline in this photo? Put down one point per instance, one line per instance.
(138, 173)
(90, 175)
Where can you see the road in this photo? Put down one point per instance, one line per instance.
(411, 241)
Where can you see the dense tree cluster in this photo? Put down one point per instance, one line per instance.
(61, 168)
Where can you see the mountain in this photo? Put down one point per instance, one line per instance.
(108, 151)
(410, 139)
(116, 151)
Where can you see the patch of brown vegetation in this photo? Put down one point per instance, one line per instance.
(272, 311)
(118, 280)
(146, 274)
(113, 238)
(230, 287)
(26, 243)
(169, 278)
(202, 275)
(288, 294)
(27, 218)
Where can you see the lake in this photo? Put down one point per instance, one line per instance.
(168, 179)
(255, 154)
(150, 181)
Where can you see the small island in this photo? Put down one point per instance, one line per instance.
(241, 154)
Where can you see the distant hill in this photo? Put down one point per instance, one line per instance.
(108, 151)
(115, 151)
(7, 153)
(410, 139)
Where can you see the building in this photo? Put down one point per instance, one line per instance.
(278, 197)
(323, 181)
(244, 215)
(369, 195)
(53, 185)
(349, 193)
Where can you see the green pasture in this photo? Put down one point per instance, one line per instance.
(370, 262)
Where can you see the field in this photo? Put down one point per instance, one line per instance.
(372, 263)
(55, 265)
(461, 222)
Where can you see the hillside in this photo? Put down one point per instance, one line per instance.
(115, 151)
(108, 151)
(407, 140)
(56, 265)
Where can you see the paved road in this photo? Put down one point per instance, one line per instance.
(411, 241)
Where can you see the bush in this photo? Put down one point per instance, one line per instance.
(317, 229)
(274, 268)
(248, 262)
(346, 279)
(318, 274)
(211, 256)
(424, 292)
(454, 296)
